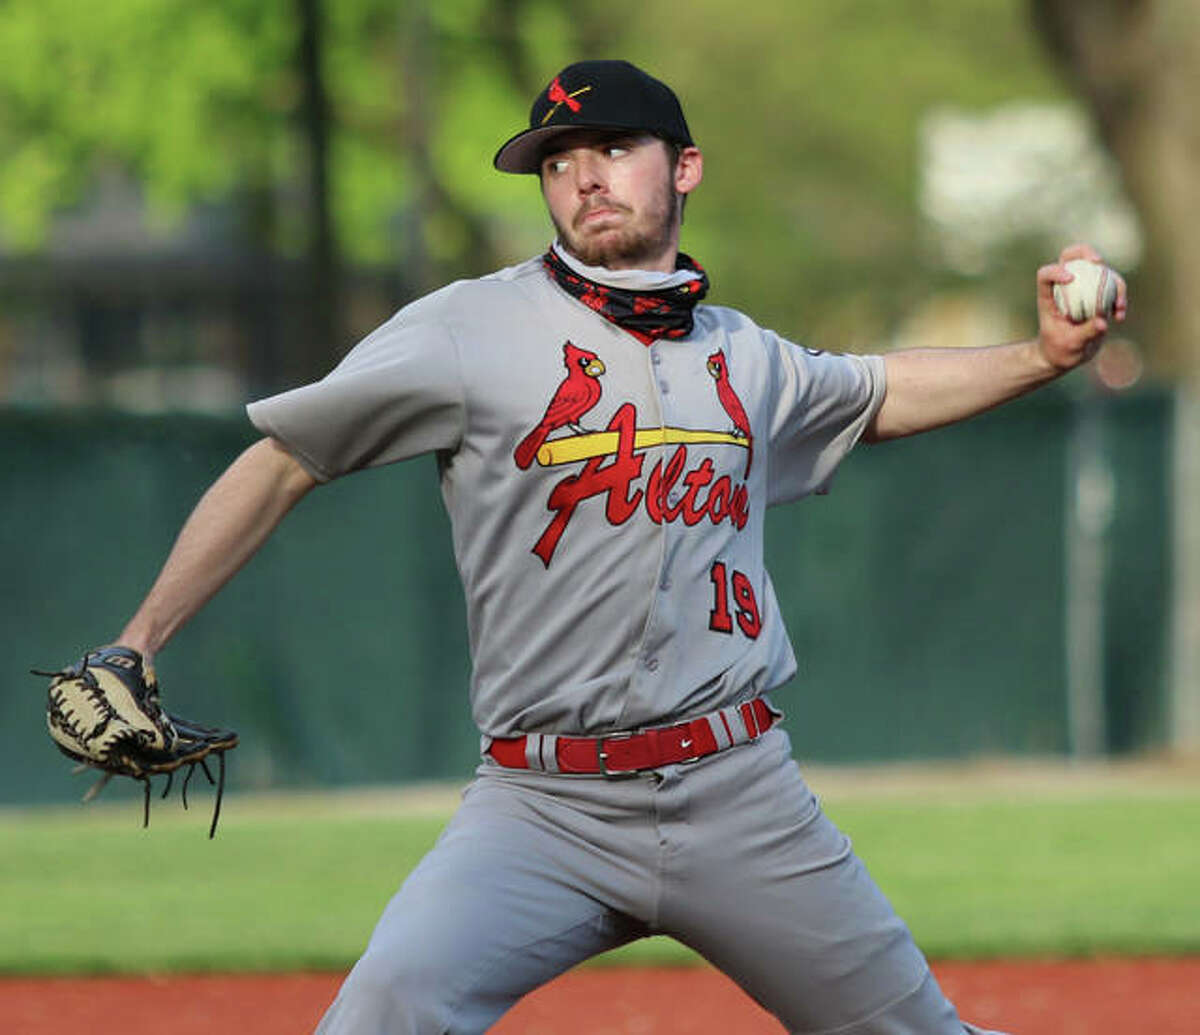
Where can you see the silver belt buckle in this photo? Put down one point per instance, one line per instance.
(602, 757)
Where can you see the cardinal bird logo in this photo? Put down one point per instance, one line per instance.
(718, 366)
(578, 393)
(559, 96)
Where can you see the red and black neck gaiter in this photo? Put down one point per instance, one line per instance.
(647, 315)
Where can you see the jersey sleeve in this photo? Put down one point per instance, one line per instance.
(823, 404)
(396, 394)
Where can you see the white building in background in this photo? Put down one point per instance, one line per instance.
(993, 179)
(1016, 172)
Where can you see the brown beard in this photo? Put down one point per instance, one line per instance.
(631, 246)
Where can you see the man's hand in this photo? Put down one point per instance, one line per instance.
(931, 387)
(1063, 344)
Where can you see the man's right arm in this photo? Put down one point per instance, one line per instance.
(231, 521)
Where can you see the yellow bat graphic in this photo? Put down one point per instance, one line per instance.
(573, 448)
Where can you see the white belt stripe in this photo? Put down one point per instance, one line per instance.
(741, 733)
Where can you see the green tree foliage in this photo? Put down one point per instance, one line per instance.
(186, 96)
(200, 102)
(808, 112)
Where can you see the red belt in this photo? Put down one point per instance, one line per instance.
(632, 752)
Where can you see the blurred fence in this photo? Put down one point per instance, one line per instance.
(925, 595)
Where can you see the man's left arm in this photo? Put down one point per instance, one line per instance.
(931, 387)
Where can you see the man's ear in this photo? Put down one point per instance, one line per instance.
(689, 170)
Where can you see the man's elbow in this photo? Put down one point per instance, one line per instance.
(291, 477)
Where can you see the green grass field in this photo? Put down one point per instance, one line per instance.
(977, 869)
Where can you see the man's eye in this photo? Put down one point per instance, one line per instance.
(616, 150)
(558, 165)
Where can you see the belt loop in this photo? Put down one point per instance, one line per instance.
(541, 751)
(550, 752)
(721, 731)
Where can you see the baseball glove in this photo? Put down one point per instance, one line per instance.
(104, 713)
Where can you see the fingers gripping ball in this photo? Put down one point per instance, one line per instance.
(1093, 292)
(104, 712)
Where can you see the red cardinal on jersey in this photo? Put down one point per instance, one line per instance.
(719, 368)
(578, 393)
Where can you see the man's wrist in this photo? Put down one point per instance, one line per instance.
(138, 639)
(1042, 367)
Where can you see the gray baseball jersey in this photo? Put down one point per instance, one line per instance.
(606, 497)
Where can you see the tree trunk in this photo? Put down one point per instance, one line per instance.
(322, 334)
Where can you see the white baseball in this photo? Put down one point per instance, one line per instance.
(1093, 291)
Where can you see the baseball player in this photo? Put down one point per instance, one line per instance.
(607, 447)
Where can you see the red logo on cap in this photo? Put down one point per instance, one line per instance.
(559, 96)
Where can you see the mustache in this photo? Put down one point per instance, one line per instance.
(590, 206)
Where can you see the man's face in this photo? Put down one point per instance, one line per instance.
(615, 198)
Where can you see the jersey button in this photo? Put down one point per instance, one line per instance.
(652, 664)
(664, 387)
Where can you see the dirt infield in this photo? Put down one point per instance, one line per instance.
(1129, 997)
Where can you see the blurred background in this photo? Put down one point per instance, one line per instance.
(204, 203)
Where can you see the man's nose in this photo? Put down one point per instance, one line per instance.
(589, 173)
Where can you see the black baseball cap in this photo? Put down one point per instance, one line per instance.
(595, 95)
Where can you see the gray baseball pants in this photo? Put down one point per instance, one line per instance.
(730, 855)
